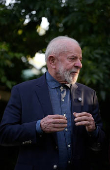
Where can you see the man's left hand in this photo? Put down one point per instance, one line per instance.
(85, 119)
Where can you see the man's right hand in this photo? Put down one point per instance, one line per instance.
(53, 123)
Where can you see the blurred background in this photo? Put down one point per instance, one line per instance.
(26, 27)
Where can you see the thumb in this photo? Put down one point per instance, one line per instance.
(74, 114)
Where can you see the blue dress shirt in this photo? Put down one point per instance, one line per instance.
(61, 104)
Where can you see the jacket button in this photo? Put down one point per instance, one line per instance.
(69, 162)
(56, 147)
(79, 99)
(55, 167)
(98, 144)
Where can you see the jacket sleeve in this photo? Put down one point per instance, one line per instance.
(96, 139)
(12, 130)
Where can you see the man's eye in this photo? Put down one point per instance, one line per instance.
(72, 58)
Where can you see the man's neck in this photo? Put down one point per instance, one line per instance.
(58, 78)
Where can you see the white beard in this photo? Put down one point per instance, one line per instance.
(66, 75)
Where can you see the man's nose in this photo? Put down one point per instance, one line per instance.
(78, 64)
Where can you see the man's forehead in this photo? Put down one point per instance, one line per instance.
(71, 53)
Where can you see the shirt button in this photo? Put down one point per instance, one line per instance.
(69, 162)
(61, 88)
(79, 99)
(69, 146)
(64, 114)
(55, 167)
(66, 129)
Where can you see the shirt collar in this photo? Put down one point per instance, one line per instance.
(52, 83)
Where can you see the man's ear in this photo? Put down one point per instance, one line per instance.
(52, 61)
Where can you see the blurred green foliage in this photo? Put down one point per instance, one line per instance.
(88, 21)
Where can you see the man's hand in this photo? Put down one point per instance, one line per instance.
(85, 119)
(53, 123)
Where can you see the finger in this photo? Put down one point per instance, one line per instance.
(59, 121)
(59, 125)
(53, 129)
(57, 129)
(82, 114)
(84, 123)
(83, 118)
(58, 117)
(75, 114)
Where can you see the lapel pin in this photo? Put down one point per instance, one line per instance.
(79, 99)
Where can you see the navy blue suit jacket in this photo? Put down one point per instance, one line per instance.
(29, 102)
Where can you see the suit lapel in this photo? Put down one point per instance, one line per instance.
(77, 98)
(42, 93)
(77, 101)
(43, 96)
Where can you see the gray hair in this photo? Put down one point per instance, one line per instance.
(56, 45)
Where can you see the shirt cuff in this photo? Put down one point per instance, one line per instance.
(38, 128)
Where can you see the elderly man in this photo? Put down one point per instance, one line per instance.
(54, 119)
